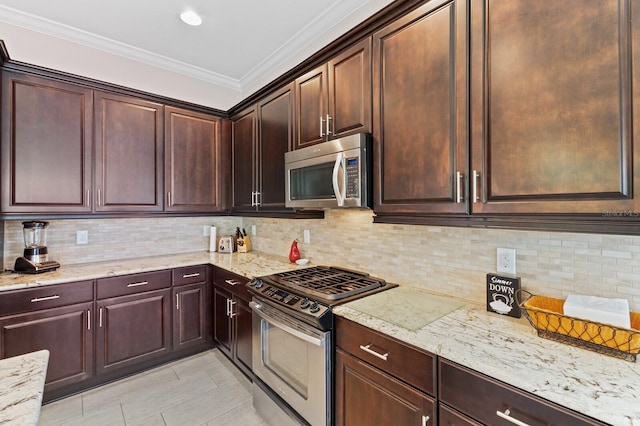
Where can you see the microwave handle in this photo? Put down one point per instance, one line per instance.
(340, 194)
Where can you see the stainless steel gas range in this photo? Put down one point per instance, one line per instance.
(293, 337)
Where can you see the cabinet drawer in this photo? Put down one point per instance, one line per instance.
(407, 363)
(130, 284)
(481, 398)
(190, 275)
(233, 282)
(44, 297)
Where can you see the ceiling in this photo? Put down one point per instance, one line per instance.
(240, 43)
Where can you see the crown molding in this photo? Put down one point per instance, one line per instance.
(65, 32)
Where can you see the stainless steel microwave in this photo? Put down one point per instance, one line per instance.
(331, 174)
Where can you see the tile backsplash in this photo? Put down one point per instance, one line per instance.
(441, 259)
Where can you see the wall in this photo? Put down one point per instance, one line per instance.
(439, 259)
(456, 260)
(111, 239)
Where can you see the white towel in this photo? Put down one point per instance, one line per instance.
(599, 309)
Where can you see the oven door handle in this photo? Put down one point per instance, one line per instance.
(255, 307)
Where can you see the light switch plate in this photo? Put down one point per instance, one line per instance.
(82, 237)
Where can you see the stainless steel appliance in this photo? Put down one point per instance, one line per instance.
(332, 174)
(293, 335)
(36, 254)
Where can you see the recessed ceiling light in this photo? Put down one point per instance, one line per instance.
(191, 18)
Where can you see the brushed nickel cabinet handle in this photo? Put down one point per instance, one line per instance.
(42, 299)
(321, 127)
(228, 307)
(368, 350)
(231, 282)
(458, 187)
(231, 305)
(138, 284)
(425, 419)
(177, 302)
(507, 417)
(328, 127)
(195, 274)
(89, 320)
(474, 185)
(169, 198)
(100, 318)
(99, 197)
(88, 200)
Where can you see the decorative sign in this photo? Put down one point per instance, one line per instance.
(501, 295)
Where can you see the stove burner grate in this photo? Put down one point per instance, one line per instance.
(328, 282)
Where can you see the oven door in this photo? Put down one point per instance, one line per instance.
(294, 360)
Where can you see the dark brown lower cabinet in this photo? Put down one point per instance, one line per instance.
(190, 315)
(488, 401)
(447, 416)
(232, 318)
(132, 329)
(367, 395)
(66, 332)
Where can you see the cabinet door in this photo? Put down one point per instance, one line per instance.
(190, 315)
(349, 76)
(128, 163)
(243, 322)
(133, 329)
(311, 107)
(66, 332)
(366, 395)
(551, 116)
(46, 145)
(196, 166)
(420, 110)
(244, 140)
(222, 322)
(275, 132)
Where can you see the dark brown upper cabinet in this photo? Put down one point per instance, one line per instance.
(196, 158)
(261, 134)
(420, 111)
(334, 99)
(552, 122)
(46, 145)
(128, 148)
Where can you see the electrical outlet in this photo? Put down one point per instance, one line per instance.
(253, 230)
(506, 261)
(307, 236)
(82, 237)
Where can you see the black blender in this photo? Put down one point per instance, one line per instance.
(36, 257)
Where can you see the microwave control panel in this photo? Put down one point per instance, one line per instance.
(353, 177)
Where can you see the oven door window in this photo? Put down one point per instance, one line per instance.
(286, 356)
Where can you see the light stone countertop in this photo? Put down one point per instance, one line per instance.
(501, 347)
(250, 264)
(21, 385)
(510, 350)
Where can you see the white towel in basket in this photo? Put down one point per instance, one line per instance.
(599, 309)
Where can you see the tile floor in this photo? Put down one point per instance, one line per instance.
(204, 389)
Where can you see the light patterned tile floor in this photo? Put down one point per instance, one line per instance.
(202, 390)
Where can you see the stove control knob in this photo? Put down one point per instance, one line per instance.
(305, 303)
(314, 307)
(257, 283)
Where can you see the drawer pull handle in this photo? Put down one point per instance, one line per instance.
(195, 274)
(89, 320)
(138, 284)
(368, 350)
(231, 282)
(42, 299)
(177, 301)
(507, 417)
(425, 419)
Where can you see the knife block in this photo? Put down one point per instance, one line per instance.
(244, 245)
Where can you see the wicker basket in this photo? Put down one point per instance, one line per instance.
(546, 315)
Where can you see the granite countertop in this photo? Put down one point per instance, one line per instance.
(501, 347)
(506, 349)
(21, 385)
(250, 265)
